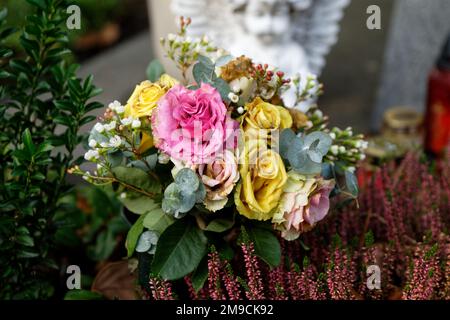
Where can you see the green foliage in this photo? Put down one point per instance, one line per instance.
(154, 70)
(304, 153)
(266, 244)
(133, 235)
(200, 274)
(204, 72)
(42, 104)
(82, 295)
(182, 195)
(180, 249)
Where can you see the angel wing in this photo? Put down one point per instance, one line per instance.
(212, 18)
(316, 29)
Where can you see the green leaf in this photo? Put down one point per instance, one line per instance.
(3, 13)
(147, 239)
(137, 178)
(20, 66)
(27, 254)
(133, 235)
(187, 181)
(104, 246)
(180, 249)
(266, 244)
(154, 70)
(82, 295)
(351, 182)
(200, 275)
(219, 225)
(25, 240)
(157, 220)
(223, 87)
(139, 204)
(204, 71)
(27, 141)
(319, 142)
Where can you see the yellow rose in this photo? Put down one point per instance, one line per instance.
(264, 115)
(146, 95)
(167, 81)
(146, 143)
(262, 182)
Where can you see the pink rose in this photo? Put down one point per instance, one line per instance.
(193, 125)
(305, 202)
(219, 178)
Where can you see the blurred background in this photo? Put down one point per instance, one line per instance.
(366, 71)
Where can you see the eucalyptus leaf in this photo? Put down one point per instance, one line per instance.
(223, 60)
(146, 240)
(351, 182)
(154, 70)
(319, 142)
(287, 136)
(187, 181)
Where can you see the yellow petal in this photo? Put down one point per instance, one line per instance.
(146, 143)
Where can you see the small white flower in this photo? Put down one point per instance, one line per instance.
(188, 40)
(99, 166)
(318, 114)
(235, 85)
(364, 145)
(205, 39)
(92, 143)
(351, 169)
(334, 150)
(233, 97)
(115, 141)
(332, 135)
(86, 176)
(110, 126)
(163, 158)
(99, 127)
(127, 121)
(341, 149)
(103, 144)
(114, 105)
(91, 154)
(120, 109)
(362, 156)
(240, 110)
(171, 37)
(136, 123)
(123, 195)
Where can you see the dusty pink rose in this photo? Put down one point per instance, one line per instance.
(305, 201)
(193, 125)
(219, 178)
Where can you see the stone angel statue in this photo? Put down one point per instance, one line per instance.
(294, 35)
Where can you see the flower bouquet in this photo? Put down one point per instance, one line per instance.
(234, 151)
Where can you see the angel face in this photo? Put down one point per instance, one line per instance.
(268, 20)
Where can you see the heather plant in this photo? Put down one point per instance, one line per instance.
(401, 226)
(43, 105)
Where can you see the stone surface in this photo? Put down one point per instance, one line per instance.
(418, 31)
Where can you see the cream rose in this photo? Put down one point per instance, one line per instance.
(219, 178)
